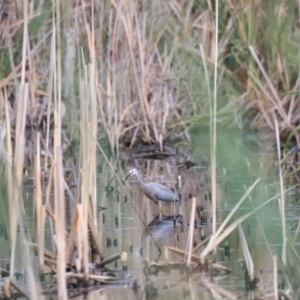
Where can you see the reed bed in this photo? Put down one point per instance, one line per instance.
(148, 67)
(133, 71)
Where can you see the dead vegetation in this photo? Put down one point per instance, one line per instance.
(148, 66)
(133, 70)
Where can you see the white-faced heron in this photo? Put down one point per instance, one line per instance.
(156, 192)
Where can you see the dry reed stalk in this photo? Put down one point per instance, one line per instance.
(15, 204)
(15, 200)
(59, 200)
(288, 284)
(219, 267)
(74, 226)
(88, 129)
(295, 252)
(219, 293)
(277, 103)
(111, 259)
(246, 251)
(59, 195)
(184, 254)
(93, 126)
(191, 232)
(201, 244)
(50, 92)
(21, 291)
(10, 180)
(275, 278)
(47, 253)
(137, 93)
(49, 186)
(6, 288)
(39, 208)
(82, 241)
(213, 125)
(128, 19)
(25, 41)
(281, 201)
(99, 278)
(96, 238)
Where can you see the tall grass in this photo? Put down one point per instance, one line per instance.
(134, 70)
(147, 64)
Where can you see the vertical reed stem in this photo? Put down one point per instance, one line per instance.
(191, 231)
(281, 201)
(214, 126)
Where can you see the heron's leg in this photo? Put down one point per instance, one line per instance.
(160, 207)
(180, 211)
(174, 212)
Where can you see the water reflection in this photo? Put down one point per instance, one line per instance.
(161, 226)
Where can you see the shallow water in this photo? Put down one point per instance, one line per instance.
(133, 225)
(241, 159)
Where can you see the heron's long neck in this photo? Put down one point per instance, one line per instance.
(140, 177)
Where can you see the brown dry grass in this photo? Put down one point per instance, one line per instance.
(147, 64)
(135, 70)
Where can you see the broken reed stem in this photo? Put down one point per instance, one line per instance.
(246, 251)
(191, 232)
(281, 200)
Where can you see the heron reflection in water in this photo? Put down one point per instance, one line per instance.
(162, 225)
(156, 192)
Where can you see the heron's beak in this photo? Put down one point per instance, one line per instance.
(128, 175)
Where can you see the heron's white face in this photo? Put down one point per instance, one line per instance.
(131, 172)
